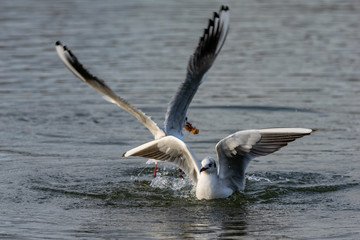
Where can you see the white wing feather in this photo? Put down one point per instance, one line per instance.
(236, 151)
(73, 64)
(169, 149)
(199, 64)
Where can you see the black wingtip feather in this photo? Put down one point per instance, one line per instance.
(211, 23)
(208, 46)
(224, 8)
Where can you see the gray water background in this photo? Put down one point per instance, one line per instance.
(284, 64)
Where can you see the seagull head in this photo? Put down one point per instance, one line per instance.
(208, 165)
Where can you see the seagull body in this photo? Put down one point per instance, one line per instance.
(213, 178)
(219, 178)
(210, 186)
(199, 64)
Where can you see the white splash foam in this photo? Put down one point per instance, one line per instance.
(254, 178)
(181, 187)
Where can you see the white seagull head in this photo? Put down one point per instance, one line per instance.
(208, 165)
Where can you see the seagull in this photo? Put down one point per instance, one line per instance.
(221, 177)
(199, 64)
(212, 178)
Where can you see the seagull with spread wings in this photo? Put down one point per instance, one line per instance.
(200, 62)
(213, 178)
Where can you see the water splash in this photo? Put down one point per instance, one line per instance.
(180, 187)
(254, 178)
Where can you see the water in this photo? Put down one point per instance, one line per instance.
(285, 64)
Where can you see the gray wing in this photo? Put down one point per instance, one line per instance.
(199, 64)
(72, 63)
(236, 151)
(169, 149)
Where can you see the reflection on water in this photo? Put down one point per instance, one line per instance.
(142, 208)
(184, 220)
(284, 64)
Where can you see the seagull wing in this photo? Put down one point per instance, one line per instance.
(73, 64)
(236, 151)
(169, 149)
(199, 64)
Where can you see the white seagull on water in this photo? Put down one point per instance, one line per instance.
(213, 178)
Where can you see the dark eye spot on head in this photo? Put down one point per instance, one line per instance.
(210, 165)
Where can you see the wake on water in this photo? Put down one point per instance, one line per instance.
(259, 186)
